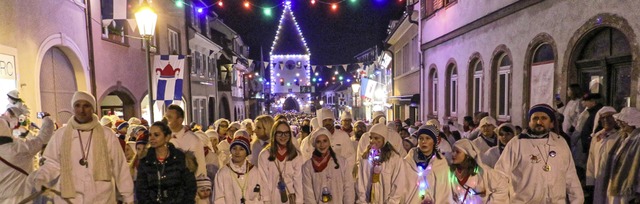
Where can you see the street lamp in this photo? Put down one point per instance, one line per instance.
(146, 19)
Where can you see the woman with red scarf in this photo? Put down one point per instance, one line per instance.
(325, 177)
(280, 167)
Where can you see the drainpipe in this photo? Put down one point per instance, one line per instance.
(421, 67)
(190, 97)
(89, 33)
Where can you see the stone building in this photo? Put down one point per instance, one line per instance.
(504, 56)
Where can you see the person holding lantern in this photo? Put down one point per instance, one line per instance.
(380, 174)
(326, 177)
(427, 171)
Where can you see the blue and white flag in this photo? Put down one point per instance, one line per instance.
(168, 78)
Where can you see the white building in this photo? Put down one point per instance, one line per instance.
(504, 56)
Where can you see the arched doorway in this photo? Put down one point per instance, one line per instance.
(225, 110)
(290, 104)
(604, 65)
(57, 84)
(119, 103)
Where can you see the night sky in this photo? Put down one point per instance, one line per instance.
(333, 37)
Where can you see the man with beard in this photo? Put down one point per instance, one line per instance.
(359, 129)
(340, 142)
(539, 164)
(487, 137)
(345, 122)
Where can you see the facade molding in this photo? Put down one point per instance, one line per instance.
(480, 22)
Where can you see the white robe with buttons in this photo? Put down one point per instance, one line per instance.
(20, 153)
(599, 154)
(523, 160)
(87, 189)
(339, 182)
(390, 188)
(228, 191)
(438, 186)
(188, 142)
(269, 175)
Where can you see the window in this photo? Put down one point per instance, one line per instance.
(407, 56)
(212, 70)
(453, 90)
(197, 62)
(205, 65)
(154, 44)
(503, 97)
(543, 55)
(398, 63)
(432, 6)
(174, 42)
(414, 54)
(195, 17)
(199, 107)
(114, 28)
(433, 96)
(477, 85)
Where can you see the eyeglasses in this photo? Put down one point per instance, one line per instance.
(283, 134)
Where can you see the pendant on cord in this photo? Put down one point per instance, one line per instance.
(84, 162)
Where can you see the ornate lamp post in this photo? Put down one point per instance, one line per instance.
(146, 19)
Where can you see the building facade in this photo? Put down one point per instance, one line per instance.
(203, 65)
(290, 65)
(505, 56)
(232, 64)
(404, 48)
(44, 54)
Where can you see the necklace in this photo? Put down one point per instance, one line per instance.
(85, 154)
(160, 174)
(246, 180)
(546, 167)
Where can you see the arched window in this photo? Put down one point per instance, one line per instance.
(542, 75)
(503, 87)
(452, 90)
(433, 92)
(477, 78)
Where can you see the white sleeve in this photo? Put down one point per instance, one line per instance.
(219, 187)
(362, 184)
(307, 182)
(51, 167)
(198, 150)
(122, 175)
(263, 169)
(33, 145)
(297, 179)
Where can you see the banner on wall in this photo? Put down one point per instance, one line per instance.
(7, 75)
(168, 78)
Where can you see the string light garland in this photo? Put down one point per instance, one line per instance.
(333, 5)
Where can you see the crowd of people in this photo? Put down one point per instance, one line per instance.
(581, 152)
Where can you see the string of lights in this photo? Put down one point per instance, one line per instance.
(248, 4)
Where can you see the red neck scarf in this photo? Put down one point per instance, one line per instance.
(319, 163)
(281, 154)
(229, 139)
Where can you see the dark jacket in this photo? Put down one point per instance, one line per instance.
(177, 184)
(587, 128)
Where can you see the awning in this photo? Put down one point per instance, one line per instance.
(415, 100)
